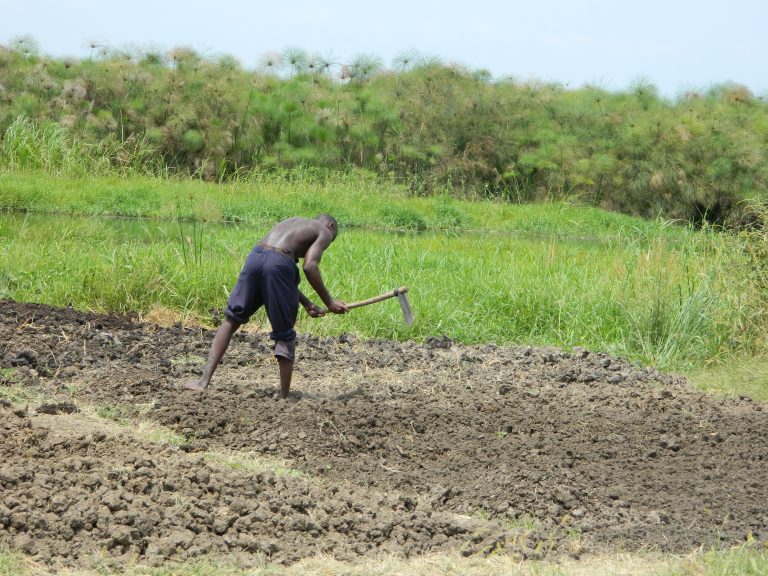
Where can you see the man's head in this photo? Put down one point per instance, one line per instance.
(330, 223)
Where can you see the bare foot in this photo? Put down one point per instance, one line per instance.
(194, 386)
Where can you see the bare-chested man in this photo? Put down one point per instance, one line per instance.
(270, 278)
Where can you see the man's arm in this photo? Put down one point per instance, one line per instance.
(311, 308)
(311, 269)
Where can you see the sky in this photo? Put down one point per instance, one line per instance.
(677, 45)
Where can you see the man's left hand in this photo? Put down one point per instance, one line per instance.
(314, 311)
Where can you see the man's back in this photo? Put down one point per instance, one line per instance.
(297, 235)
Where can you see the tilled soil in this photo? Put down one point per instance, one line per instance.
(389, 447)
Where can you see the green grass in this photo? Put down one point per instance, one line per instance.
(742, 561)
(736, 561)
(12, 564)
(115, 413)
(253, 462)
(134, 420)
(737, 376)
(357, 200)
(647, 300)
(188, 360)
(547, 274)
(16, 393)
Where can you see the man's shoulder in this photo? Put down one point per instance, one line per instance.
(292, 220)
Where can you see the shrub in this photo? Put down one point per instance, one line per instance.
(403, 218)
(193, 141)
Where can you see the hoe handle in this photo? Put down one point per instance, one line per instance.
(392, 294)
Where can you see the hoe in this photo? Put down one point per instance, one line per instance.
(397, 292)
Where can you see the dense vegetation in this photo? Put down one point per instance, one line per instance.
(432, 126)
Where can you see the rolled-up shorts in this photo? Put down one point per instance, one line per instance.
(269, 278)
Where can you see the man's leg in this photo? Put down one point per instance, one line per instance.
(219, 346)
(281, 299)
(285, 352)
(286, 373)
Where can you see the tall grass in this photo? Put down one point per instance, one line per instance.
(677, 309)
(670, 300)
(191, 235)
(26, 145)
(49, 147)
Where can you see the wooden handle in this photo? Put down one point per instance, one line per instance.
(387, 295)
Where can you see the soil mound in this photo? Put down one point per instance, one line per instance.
(386, 447)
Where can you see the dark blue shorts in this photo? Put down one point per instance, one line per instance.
(271, 279)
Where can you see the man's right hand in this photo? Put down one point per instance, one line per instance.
(337, 307)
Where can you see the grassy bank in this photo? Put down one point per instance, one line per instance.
(357, 200)
(546, 274)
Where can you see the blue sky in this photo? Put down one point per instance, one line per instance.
(678, 45)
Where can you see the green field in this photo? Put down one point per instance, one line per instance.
(479, 271)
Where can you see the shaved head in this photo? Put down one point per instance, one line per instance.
(330, 221)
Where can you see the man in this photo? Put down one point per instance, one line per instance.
(270, 278)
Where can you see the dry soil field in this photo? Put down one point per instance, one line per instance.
(384, 447)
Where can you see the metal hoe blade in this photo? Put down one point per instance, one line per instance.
(406, 306)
